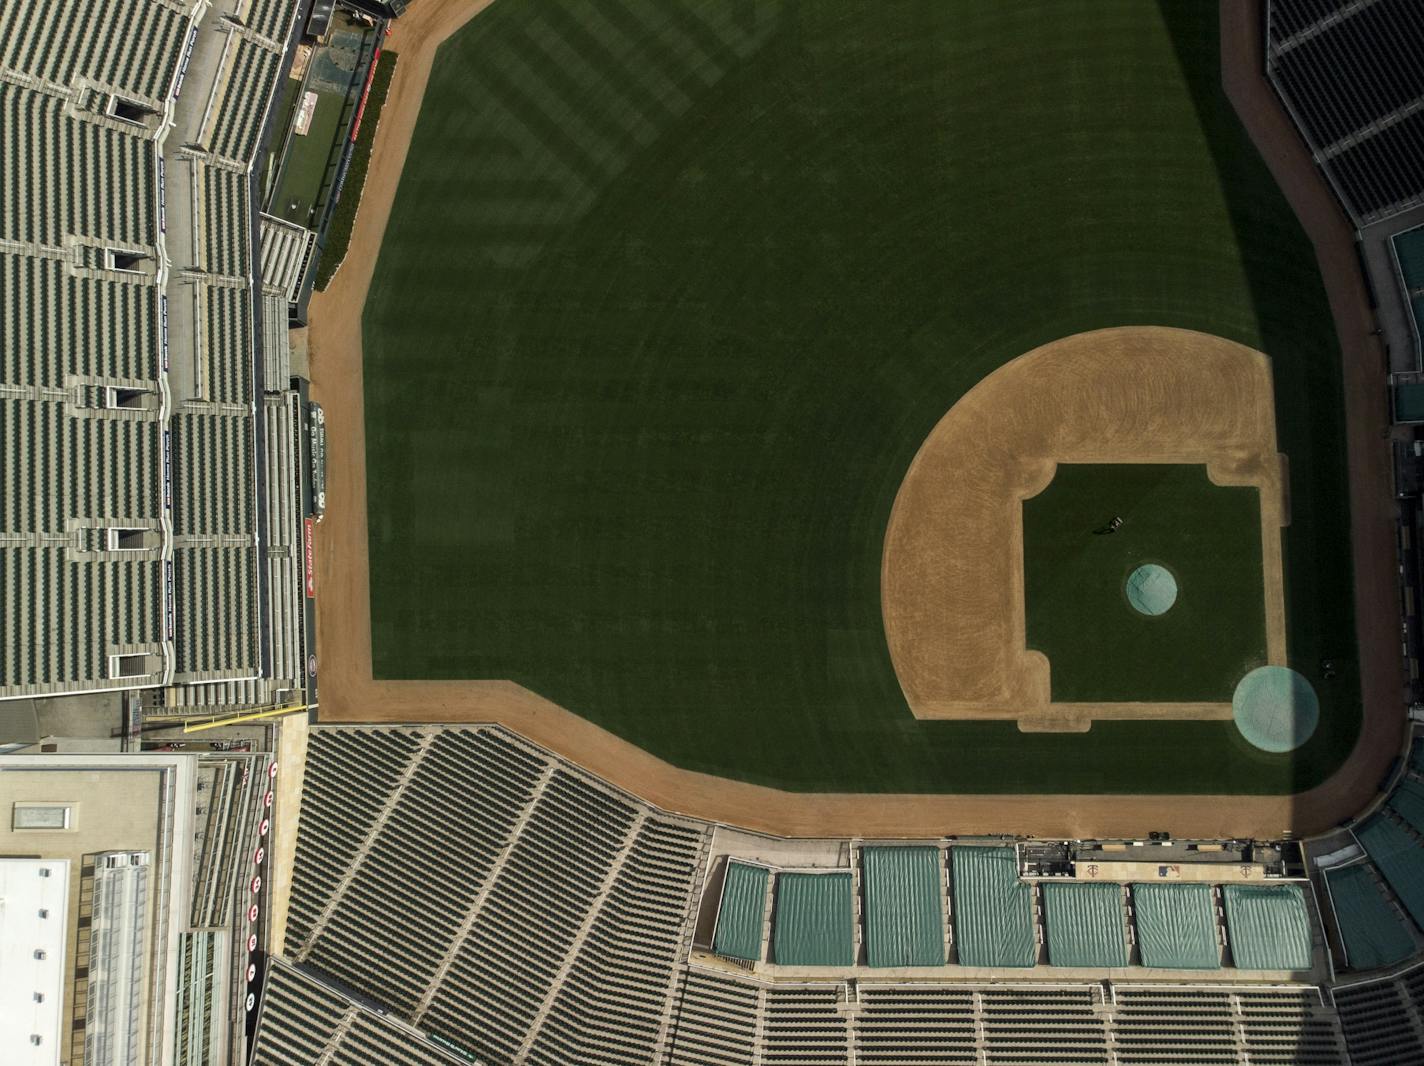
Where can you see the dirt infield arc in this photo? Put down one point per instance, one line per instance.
(349, 694)
(952, 583)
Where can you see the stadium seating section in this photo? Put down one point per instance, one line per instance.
(1351, 76)
(459, 891)
(130, 360)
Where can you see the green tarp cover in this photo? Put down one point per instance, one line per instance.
(1267, 927)
(1373, 931)
(1176, 927)
(1408, 800)
(1085, 925)
(740, 914)
(1401, 860)
(814, 921)
(904, 915)
(993, 909)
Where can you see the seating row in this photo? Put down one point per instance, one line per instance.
(1352, 77)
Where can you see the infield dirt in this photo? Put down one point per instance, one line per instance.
(952, 583)
(349, 694)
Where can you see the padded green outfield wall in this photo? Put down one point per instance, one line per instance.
(657, 329)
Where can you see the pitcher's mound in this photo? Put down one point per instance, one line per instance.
(1151, 589)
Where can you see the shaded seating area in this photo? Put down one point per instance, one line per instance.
(1400, 858)
(1374, 903)
(1371, 929)
(1351, 77)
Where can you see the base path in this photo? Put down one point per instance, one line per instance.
(344, 634)
(952, 579)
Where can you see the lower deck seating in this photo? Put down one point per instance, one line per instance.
(515, 910)
(1376, 1017)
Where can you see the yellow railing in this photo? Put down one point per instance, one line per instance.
(214, 721)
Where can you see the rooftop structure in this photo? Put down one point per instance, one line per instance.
(34, 899)
(127, 844)
(149, 947)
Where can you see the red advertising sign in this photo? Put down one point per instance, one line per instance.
(361, 107)
(309, 555)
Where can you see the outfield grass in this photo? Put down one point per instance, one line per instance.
(670, 297)
(1098, 645)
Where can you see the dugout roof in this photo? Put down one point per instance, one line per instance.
(741, 912)
(815, 925)
(1176, 926)
(993, 909)
(1268, 927)
(904, 909)
(1085, 925)
(1373, 931)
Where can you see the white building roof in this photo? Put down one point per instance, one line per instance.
(34, 897)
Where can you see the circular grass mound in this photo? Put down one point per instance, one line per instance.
(1275, 708)
(1151, 589)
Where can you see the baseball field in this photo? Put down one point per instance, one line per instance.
(670, 297)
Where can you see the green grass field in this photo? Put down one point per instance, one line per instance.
(301, 188)
(671, 294)
(1099, 647)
